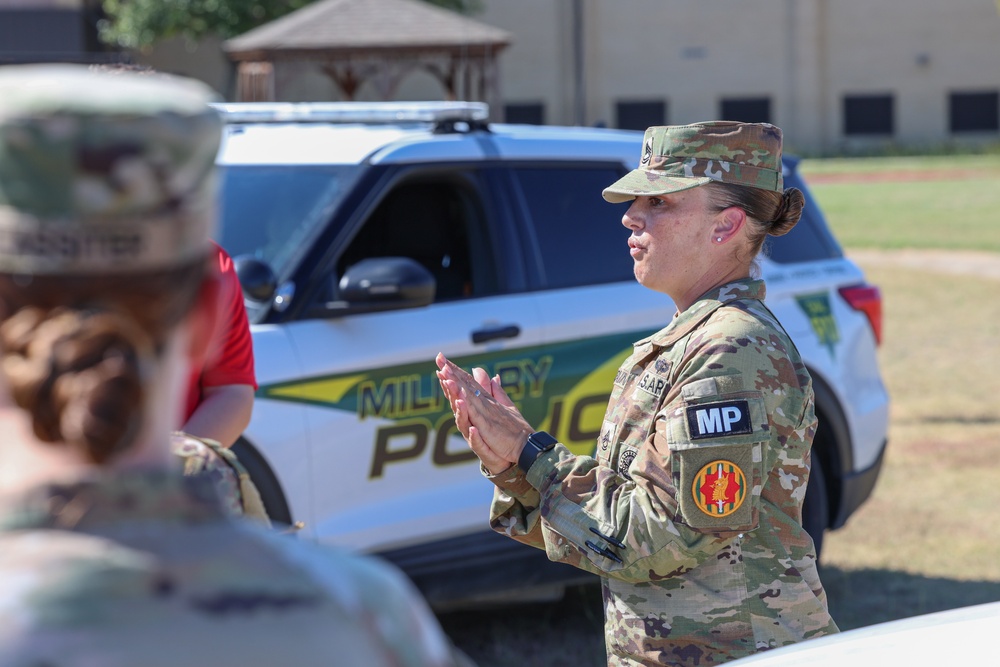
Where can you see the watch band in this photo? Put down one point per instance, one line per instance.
(538, 443)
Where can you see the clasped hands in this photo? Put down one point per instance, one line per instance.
(484, 415)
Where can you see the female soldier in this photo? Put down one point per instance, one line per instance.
(690, 510)
(108, 554)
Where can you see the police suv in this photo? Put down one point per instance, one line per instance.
(370, 237)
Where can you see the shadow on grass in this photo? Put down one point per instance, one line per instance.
(864, 597)
(566, 633)
(570, 632)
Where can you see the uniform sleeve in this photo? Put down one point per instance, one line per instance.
(231, 360)
(695, 482)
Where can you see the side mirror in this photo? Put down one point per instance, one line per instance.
(384, 283)
(256, 278)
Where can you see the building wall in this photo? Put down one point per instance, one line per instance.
(803, 55)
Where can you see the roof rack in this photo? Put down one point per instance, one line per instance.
(440, 113)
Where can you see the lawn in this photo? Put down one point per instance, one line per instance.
(930, 202)
(927, 539)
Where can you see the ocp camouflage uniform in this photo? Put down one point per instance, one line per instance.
(237, 492)
(113, 175)
(148, 569)
(691, 510)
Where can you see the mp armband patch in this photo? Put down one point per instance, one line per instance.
(713, 420)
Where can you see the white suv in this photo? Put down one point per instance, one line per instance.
(369, 237)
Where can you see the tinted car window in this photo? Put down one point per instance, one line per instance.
(275, 212)
(580, 236)
(810, 239)
(439, 225)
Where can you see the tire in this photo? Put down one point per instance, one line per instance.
(265, 481)
(816, 507)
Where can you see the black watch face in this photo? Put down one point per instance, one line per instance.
(542, 440)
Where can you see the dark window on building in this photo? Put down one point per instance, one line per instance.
(580, 237)
(746, 109)
(868, 114)
(42, 33)
(640, 115)
(974, 112)
(532, 113)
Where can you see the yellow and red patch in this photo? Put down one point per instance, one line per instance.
(719, 488)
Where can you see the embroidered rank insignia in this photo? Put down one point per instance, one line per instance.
(609, 431)
(719, 488)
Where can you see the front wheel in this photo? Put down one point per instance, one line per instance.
(816, 507)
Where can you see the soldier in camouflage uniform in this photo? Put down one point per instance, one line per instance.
(109, 554)
(691, 508)
(208, 458)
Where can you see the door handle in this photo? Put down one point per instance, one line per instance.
(486, 335)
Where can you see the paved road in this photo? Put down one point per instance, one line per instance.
(957, 262)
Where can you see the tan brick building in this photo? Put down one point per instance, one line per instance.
(834, 74)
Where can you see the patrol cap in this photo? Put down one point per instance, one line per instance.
(680, 157)
(104, 171)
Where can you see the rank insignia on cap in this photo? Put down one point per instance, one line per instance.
(647, 152)
(719, 488)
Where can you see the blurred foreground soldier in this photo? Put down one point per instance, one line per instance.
(109, 555)
(691, 508)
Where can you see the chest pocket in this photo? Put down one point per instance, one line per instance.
(716, 445)
(635, 400)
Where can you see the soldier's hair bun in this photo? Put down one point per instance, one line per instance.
(788, 212)
(79, 354)
(77, 372)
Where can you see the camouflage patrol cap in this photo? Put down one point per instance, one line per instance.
(104, 171)
(679, 157)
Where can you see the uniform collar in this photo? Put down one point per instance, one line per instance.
(100, 498)
(707, 303)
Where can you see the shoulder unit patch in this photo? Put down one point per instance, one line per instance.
(719, 488)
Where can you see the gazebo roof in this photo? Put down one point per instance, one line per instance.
(334, 27)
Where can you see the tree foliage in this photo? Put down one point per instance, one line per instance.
(137, 24)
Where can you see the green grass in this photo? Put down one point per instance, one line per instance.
(937, 210)
(862, 165)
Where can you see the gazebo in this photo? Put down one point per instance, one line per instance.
(380, 42)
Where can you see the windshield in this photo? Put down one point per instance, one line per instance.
(276, 212)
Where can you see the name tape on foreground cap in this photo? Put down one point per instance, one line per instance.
(38, 247)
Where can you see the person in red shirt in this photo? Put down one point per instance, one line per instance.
(221, 390)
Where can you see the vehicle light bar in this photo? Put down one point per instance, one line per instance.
(354, 112)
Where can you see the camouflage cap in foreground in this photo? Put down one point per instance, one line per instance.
(104, 171)
(679, 157)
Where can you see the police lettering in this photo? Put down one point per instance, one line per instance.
(398, 398)
(719, 419)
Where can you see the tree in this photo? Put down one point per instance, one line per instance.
(137, 24)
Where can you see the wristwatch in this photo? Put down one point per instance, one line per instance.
(538, 443)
